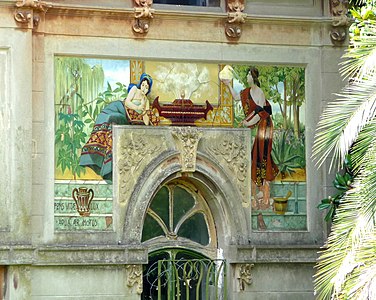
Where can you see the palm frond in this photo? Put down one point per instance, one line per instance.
(364, 142)
(343, 119)
(363, 282)
(345, 267)
(360, 58)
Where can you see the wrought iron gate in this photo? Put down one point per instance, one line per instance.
(186, 279)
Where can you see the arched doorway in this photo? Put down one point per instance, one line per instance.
(180, 232)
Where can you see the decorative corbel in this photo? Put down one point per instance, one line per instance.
(142, 15)
(340, 21)
(188, 138)
(134, 277)
(244, 275)
(235, 18)
(28, 11)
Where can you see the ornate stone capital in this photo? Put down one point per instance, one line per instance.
(235, 17)
(244, 275)
(134, 277)
(28, 12)
(340, 21)
(188, 138)
(142, 15)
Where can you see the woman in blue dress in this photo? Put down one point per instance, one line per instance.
(97, 152)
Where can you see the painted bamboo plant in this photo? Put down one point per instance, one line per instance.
(79, 98)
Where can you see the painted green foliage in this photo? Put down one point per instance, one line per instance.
(79, 98)
(284, 88)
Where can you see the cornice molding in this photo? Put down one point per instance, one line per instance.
(275, 254)
(72, 255)
(128, 255)
(171, 14)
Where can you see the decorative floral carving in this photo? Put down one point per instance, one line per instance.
(340, 21)
(245, 275)
(133, 152)
(28, 10)
(142, 14)
(232, 149)
(235, 17)
(188, 138)
(134, 277)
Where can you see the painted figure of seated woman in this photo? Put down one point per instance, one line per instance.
(97, 152)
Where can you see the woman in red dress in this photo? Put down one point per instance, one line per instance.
(258, 113)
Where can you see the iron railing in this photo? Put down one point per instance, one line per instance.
(193, 279)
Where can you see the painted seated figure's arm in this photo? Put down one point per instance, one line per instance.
(145, 115)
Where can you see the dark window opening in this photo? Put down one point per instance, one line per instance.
(209, 3)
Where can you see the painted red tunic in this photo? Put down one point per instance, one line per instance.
(263, 166)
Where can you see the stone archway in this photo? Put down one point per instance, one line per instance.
(216, 160)
(180, 234)
(179, 215)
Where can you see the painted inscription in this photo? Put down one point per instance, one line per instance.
(66, 216)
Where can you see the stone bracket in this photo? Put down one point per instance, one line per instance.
(244, 275)
(28, 12)
(188, 139)
(340, 21)
(134, 277)
(143, 13)
(235, 18)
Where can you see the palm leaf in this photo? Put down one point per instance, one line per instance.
(364, 142)
(360, 57)
(343, 119)
(345, 266)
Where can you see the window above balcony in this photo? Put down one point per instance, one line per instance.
(204, 3)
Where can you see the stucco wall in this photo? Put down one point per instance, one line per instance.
(38, 264)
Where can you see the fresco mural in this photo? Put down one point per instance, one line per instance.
(275, 113)
(92, 94)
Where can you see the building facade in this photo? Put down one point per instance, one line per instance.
(181, 213)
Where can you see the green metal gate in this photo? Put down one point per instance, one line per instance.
(186, 279)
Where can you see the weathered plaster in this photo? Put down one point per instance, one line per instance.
(287, 32)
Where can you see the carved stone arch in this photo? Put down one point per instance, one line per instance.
(146, 159)
(229, 215)
(132, 211)
(224, 200)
